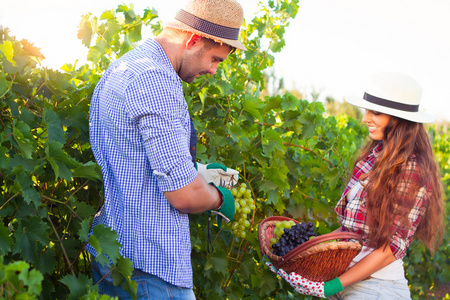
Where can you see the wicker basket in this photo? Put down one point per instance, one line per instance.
(319, 259)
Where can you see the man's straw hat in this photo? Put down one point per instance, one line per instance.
(393, 94)
(218, 20)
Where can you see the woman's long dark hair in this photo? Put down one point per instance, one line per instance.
(387, 197)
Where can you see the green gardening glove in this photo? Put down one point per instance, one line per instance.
(226, 211)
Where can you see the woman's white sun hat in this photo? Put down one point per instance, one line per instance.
(394, 94)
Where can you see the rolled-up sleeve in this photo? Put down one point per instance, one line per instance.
(403, 235)
(162, 118)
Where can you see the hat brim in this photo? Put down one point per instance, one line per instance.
(418, 117)
(179, 25)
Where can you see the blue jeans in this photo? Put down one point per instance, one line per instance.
(148, 286)
(375, 289)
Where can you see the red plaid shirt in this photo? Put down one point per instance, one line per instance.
(352, 212)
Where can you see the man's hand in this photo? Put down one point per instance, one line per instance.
(218, 174)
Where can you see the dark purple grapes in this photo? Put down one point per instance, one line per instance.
(293, 237)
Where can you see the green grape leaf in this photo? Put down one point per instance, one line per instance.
(28, 117)
(297, 211)
(279, 205)
(33, 279)
(71, 246)
(277, 46)
(5, 240)
(318, 107)
(84, 210)
(94, 54)
(4, 160)
(235, 132)
(297, 127)
(122, 275)
(58, 83)
(28, 165)
(24, 138)
(104, 241)
(208, 264)
(27, 234)
(135, 34)
(94, 242)
(130, 286)
(312, 143)
(267, 186)
(277, 175)
(125, 267)
(85, 32)
(248, 263)
(219, 264)
(107, 15)
(29, 193)
(76, 119)
(89, 170)
(47, 261)
(8, 51)
(85, 229)
(17, 266)
(60, 161)
(267, 283)
(202, 95)
(332, 177)
(113, 28)
(272, 141)
(78, 286)
(53, 126)
(273, 103)
(3, 85)
(290, 102)
(55, 167)
(31, 50)
(150, 14)
(252, 105)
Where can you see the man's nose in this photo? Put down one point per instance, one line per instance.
(212, 70)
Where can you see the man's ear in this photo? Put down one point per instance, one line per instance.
(193, 40)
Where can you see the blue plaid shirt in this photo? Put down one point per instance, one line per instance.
(140, 131)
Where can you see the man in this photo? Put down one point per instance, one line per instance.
(140, 132)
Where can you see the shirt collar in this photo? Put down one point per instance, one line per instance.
(155, 48)
(377, 149)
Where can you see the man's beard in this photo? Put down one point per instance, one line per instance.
(188, 72)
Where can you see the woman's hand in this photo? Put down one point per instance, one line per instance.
(307, 287)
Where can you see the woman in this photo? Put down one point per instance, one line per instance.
(393, 196)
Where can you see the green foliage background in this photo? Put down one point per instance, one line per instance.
(291, 152)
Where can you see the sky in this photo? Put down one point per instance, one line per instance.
(332, 46)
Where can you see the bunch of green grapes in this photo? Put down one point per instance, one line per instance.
(279, 230)
(244, 205)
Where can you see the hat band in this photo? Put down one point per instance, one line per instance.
(391, 104)
(205, 26)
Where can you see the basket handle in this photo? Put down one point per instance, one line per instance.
(320, 239)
